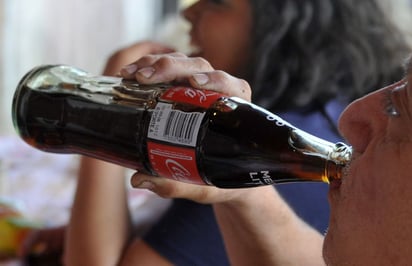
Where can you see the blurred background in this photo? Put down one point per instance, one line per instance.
(76, 32)
(82, 33)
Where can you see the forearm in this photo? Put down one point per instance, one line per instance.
(260, 229)
(99, 226)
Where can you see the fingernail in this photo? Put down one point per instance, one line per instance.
(146, 72)
(146, 185)
(130, 69)
(201, 79)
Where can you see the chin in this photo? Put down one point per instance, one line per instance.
(327, 249)
(331, 243)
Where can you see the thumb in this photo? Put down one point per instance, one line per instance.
(168, 188)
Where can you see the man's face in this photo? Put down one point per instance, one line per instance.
(371, 210)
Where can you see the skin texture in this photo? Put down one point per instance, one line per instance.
(373, 201)
(228, 48)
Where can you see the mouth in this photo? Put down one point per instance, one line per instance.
(335, 184)
(334, 190)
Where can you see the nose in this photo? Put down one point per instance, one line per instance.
(364, 119)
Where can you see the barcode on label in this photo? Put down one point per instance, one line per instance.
(174, 126)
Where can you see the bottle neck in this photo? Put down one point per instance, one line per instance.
(333, 171)
(337, 155)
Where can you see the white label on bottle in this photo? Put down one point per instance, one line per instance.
(174, 126)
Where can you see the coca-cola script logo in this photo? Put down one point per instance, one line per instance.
(202, 95)
(201, 98)
(174, 162)
(177, 171)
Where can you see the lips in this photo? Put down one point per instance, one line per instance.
(334, 191)
(335, 184)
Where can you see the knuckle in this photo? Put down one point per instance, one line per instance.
(202, 62)
(167, 190)
(226, 78)
(246, 88)
(147, 57)
(178, 54)
(202, 196)
(145, 60)
(165, 62)
(221, 73)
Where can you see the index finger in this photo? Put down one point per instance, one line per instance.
(222, 82)
(152, 69)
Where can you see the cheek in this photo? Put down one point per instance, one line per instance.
(398, 129)
(373, 181)
(359, 193)
(353, 214)
(228, 47)
(374, 205)
(231, 57)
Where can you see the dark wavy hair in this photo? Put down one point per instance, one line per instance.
(310, 51)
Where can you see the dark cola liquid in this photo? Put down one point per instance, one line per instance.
(235, 144)
(247, 147)
(58, 122)
(236, 147)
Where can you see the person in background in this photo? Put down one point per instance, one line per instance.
(304, 60)
(370, 206)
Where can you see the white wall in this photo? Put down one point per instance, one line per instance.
(400, 12)
(82, 33)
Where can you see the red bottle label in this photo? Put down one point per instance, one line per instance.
(201, 98)
(174, 162)
(176, 128)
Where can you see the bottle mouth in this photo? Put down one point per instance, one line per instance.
(341, 154)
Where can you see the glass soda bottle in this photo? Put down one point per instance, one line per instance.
(189, 135)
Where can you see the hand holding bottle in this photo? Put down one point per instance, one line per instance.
(200, 74)
(176, 67)
(168, 188)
